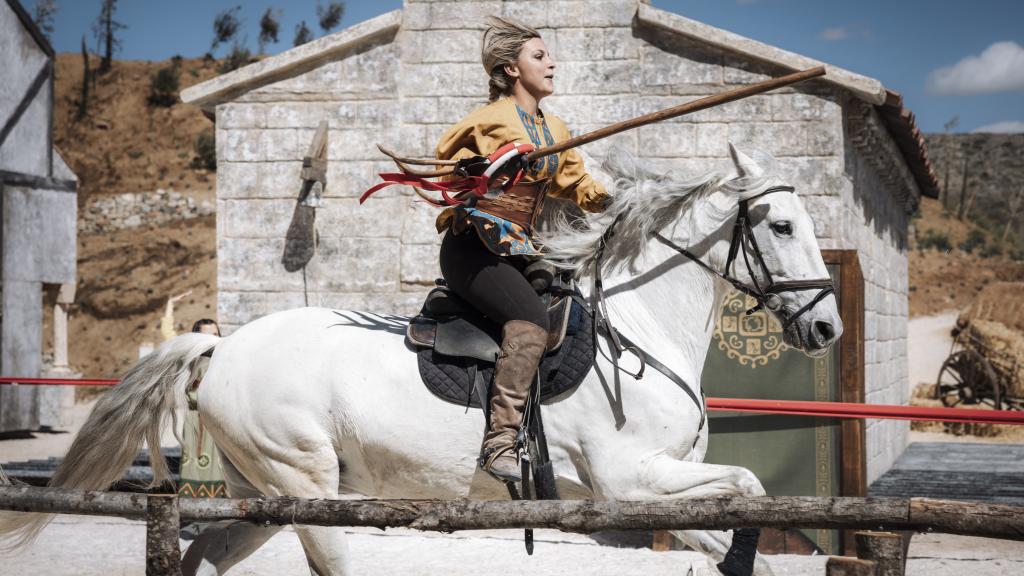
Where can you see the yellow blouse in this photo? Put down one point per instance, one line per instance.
(502, 121)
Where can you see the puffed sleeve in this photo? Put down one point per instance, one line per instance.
(460, 141)
(572, 181)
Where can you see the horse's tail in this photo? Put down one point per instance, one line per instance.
(135, 410)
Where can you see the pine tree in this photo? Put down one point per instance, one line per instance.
(302, 34)
(43, 15)
(330, 16)
(105, 30)
(225, 26)
(83, 102)
(270, 24)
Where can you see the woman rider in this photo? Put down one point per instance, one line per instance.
(488, 244)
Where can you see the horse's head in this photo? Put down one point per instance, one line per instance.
(778, 255)
(774, 256)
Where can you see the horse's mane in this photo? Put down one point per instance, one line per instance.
(644, 202)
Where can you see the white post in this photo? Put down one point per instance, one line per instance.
(56, 403)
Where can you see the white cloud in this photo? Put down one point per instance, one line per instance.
(1000, 68)
(1004, 127)
(850, 31)
(834, 34)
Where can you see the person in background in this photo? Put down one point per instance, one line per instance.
(201, 471)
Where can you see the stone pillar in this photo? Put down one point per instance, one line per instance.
(57, 402)
(65, 297)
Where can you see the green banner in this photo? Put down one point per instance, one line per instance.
(791, 455)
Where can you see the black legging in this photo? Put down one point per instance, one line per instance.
(493, 284)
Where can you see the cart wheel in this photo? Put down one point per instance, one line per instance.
(967, 377)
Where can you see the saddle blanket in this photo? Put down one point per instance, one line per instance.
(561, 371)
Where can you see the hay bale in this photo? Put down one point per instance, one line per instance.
(1000, 301)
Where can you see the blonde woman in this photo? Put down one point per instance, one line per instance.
(488, 244)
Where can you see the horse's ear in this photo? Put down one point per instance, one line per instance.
(745, 165)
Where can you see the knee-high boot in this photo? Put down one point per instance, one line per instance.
(522, 347)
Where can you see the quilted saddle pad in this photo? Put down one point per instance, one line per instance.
(451, 378)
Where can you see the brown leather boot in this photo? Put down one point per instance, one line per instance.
(522, 347)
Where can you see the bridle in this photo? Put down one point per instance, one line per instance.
(743, 243)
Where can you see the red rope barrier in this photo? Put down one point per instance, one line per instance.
(57, 381)
(852, 410)
(789, 407)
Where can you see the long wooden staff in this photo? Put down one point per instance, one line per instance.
(696, 105)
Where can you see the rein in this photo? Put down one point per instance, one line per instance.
(743, 242)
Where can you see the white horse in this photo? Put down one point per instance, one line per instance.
(318, 403)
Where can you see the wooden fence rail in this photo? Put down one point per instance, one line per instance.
(584, 516)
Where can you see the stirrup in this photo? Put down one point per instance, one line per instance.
(489, 456)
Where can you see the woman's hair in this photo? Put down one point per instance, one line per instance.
(204, 322)
(503, 40)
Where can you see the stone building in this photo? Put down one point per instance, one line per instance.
(400, 79)
(39, 210)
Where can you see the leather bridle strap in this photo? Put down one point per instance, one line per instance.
(744, 243)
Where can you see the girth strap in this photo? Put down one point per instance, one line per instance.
(657, 365)
(624, 343)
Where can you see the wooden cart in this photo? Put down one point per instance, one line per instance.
(986, 362)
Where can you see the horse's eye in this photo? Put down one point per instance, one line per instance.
(782, 228)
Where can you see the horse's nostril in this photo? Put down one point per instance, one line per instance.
(824, 330)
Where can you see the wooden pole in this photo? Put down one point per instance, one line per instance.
(687, 108)
(843, 566)
(662, 541)
(583, 516)
(163, 555)
(885, 549)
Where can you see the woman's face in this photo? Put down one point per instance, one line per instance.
(534, 69)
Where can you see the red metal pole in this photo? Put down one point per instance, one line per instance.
(56, 381)
(789, 407)
(851, 410)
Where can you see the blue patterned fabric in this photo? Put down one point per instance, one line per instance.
(548, 164)
(499, 235)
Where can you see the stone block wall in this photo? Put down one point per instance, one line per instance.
(26, 147)
(131, 210)
(611, 66)
(406, 93)
(874, 219)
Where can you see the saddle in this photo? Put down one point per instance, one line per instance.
(457, 346)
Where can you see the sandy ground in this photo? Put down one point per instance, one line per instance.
(928, 345)
(79, 545)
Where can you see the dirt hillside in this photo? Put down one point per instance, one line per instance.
(949, 278)
(125, 145)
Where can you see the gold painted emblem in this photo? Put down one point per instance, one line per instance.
(750, 340)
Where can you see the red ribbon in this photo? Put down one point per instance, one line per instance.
(474, 184)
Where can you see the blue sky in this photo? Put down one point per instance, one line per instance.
(947, 57)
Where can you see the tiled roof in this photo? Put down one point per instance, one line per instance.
(902, 127)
